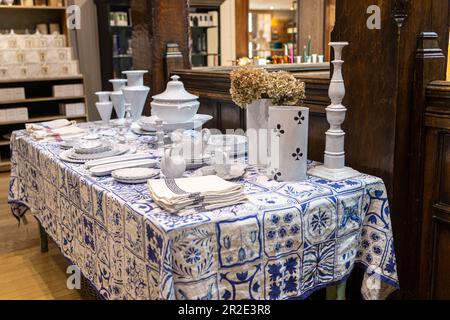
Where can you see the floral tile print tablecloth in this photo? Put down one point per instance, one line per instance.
(289, 240)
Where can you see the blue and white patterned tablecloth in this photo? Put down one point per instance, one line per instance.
(289, 240)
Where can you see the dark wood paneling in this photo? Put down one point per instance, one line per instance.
(435, 233)
(379, 71)
(441, 274)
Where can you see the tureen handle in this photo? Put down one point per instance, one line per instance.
(175, 78)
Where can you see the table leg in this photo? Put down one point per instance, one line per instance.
(336, 292)
(44, 238)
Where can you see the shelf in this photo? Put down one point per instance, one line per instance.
(42, 119)
(205, 54)
(5, 165)
(4, 142)
(17, 7)
(197, 27)
(123, 56)
(78, 77)
(35, 100)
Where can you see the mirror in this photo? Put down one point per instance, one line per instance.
(285, 30)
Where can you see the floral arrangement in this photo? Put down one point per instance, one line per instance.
(249, 84)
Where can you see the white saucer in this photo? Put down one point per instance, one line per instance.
(135, 175)
(237, 171)
(149, 123)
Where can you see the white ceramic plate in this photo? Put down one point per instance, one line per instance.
(63, 156)
(148, 123)
(91, 147)
(236, 144)
(107, 169)
(127, 157)
(116, 151)
(135, 174)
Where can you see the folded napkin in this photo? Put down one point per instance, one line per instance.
(59, 134)
(54, 130)
(55, 124)
(206, 193)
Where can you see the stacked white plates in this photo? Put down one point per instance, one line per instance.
(235, 145)
(92, 147)
(81, 154)
(135, 175)
(107, 169)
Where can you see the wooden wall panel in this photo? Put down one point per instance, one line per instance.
(311, 22)
(241, 11)
(379, 71)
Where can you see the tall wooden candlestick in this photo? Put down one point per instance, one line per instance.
(334, 168)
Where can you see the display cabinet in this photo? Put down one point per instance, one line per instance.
(33, 67)
(204, 22)
(115, 28)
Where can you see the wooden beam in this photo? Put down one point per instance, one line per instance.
(242, 8)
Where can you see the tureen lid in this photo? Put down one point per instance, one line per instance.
(175, 92)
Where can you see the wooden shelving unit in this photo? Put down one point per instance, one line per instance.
(39, 100)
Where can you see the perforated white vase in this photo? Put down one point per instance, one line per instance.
(289, 143)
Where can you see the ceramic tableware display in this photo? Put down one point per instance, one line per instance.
(175, 104)
(117, 97)
(289, 142)
(135, 92)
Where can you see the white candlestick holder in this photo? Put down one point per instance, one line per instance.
(334, 168)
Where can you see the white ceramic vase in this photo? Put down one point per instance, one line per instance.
(117, 97)
(135, 92)
(289, 143)
(103, 96)
(258, 133)
(105, 111)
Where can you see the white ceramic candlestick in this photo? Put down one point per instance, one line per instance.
(334, 168)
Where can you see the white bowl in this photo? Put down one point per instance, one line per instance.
(175, 113)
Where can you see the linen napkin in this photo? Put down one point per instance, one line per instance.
(55, 124)
(54, 130)
(208, 193)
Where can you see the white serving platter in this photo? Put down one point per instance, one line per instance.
(107, 169)
(127, 157)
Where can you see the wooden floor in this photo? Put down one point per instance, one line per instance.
(25, 272)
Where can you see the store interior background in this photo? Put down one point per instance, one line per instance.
(275, 19)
